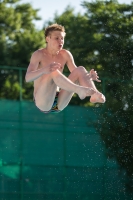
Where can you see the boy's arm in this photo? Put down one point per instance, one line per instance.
(33, 72)
(70, 61)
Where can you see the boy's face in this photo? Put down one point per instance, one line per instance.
(56, 40)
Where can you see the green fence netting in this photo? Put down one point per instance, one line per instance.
(54, 156)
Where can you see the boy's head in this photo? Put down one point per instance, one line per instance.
(54, 27)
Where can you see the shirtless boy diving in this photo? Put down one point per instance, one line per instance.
(46, 67)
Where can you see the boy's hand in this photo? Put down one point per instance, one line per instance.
(54, 66)
(94, 76)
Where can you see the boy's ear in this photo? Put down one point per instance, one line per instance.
(47, 38)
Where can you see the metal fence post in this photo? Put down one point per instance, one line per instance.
(20, 84)
(21, 134)
(64, 144)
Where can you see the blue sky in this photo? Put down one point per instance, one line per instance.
(49, 7)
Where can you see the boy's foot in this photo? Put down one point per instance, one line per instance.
(85, 91)
(97, 98)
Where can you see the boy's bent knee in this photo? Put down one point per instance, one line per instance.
(81, 68)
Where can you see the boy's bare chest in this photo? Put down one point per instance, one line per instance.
(46, 60)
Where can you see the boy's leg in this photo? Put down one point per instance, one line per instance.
(81, 75)
(68, 84)
(45, 94)
(85, 80)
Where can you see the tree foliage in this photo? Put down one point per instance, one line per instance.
(19, 38)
